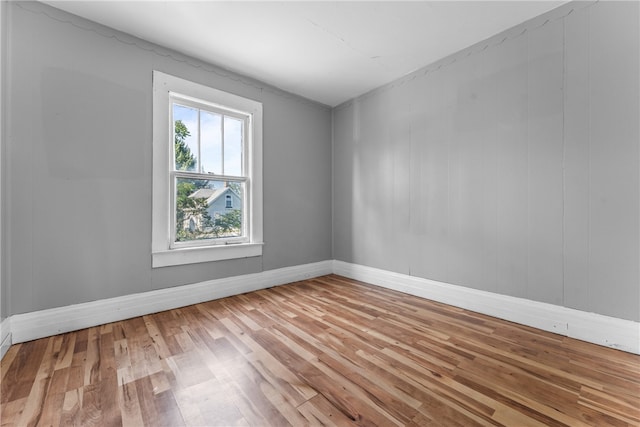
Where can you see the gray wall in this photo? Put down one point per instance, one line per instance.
(512, 169)
(3, 283)
(79, 165)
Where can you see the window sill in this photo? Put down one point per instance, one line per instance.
(204, 254)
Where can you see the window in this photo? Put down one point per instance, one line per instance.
(207, 167)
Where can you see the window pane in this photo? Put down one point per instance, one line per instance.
(233, 130)
(185, 137)
(208, 209)
(211, 142)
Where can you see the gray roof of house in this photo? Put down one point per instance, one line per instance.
(204, 193)
(208, 193)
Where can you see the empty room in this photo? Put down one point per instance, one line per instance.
(272, 213)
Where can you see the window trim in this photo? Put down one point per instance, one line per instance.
(164, 87)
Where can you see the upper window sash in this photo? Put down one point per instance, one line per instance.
(223, 165)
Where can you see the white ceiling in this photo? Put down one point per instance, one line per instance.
(327, 51)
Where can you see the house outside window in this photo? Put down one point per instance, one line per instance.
(207, 160)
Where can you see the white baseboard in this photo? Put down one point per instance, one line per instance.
(590, 327)
(5, 336)
(44, 323)
(594, 328)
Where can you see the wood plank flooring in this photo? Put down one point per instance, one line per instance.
(327, 351)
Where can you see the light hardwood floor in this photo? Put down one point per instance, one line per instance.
(327, 351)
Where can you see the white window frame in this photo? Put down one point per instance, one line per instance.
(246, 118)
(163, 251)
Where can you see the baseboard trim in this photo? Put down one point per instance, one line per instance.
(44, 323)
(594, 328)
(5, 336)
(591, 327)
